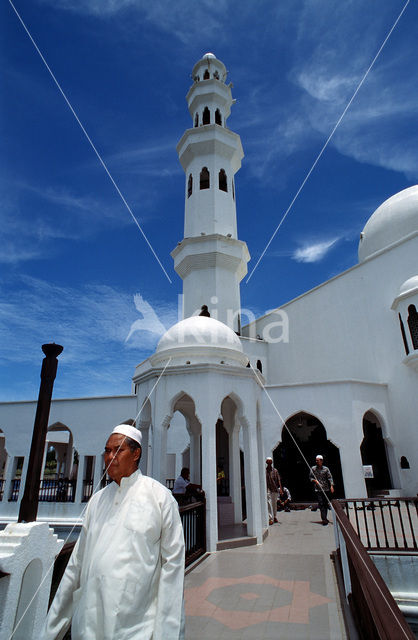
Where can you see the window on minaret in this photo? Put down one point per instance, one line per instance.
(216, 75)
(206, 116)
(413, 324)
(204, 178)
(218, 117)
(222, 180)
(190, 186)
(233, 190)
(196, 120)
(206, 75)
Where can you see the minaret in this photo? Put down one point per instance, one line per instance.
(210, 259)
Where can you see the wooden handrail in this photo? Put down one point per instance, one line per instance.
(386, 615)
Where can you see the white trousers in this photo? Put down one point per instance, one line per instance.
(272, 503)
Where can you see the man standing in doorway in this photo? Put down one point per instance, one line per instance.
(323, 485)
(125, 576)
(274, 485)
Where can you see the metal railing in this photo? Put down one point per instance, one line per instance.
(169, 483)
(374, 609)
(14, 490)
(384, 523)
(61, 490)
(2, 483)
(53, 490)
(87, 490)
(193, 519)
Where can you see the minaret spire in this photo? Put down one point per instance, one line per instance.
(210, 259)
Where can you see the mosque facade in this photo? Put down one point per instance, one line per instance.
(334, 371)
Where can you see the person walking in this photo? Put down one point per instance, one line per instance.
(321, 477)
(274, 485)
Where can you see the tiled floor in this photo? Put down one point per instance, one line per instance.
(284, 589)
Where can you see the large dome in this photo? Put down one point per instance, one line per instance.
(394, 220)
(200, 340)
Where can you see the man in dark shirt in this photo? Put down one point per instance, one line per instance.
(323, 484)
(274, 485)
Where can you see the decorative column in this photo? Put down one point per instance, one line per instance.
(80, 479)
(235, 473)
(161, 421)
(195, 452)
(209, 473)
(29, 505)
(252, 493)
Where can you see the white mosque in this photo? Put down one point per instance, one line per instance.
(333, 371)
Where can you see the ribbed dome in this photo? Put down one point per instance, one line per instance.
(394, 220)
(200, 339)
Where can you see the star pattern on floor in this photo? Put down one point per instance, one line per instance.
(303, 599)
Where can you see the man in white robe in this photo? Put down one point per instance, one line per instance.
(124, 580)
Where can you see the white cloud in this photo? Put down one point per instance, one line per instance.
(92, 323)
(180, 18)
(313, 252)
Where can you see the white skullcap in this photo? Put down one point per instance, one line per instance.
(271, 459)
(319, 457)
(130, 432)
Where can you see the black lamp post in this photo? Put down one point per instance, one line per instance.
(29, 505)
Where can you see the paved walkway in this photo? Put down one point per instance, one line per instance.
(284, 589)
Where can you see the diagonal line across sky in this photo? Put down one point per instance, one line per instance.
(337, 124)
(102, 162)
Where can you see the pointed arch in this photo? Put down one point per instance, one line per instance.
(373, 452)
(206, 116)
(204, 178)
(190, 186)
(223, 186)
(304, 433)
(218, 117)
(206, 75)
(196, 120)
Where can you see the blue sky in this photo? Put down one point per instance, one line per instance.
(71, 258)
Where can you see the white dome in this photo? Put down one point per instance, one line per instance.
(200, 340)
(394, 220)
(407, 289)
(409, 286)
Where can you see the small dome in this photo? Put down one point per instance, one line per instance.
(209, 67)
(409, 286)
(200, 340)
(394, 220)
(407, 289)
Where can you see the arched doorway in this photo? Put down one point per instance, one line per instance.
(373, 452)
(311, 437)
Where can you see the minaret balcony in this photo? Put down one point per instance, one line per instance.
(211, 252)
(210, 139)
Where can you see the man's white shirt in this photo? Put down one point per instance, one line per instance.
(125, 577)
